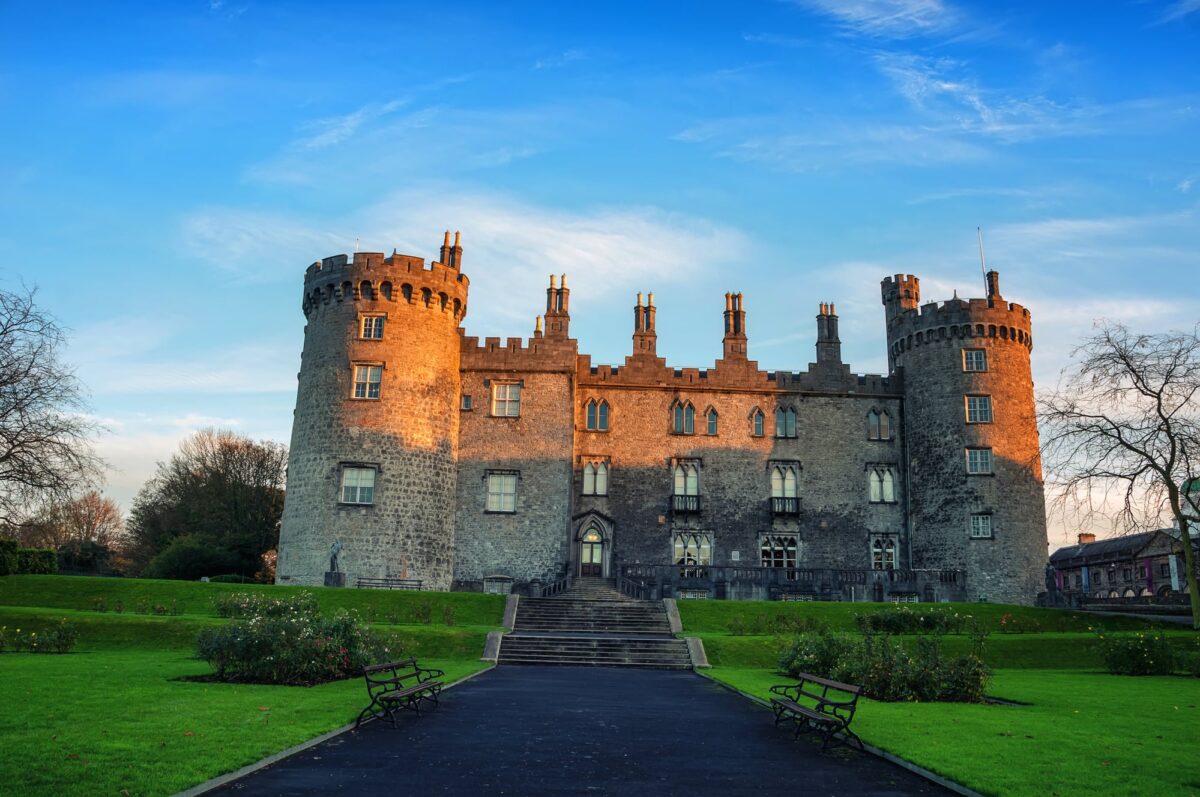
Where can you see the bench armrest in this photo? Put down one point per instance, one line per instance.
(425, 673)
(790, 691)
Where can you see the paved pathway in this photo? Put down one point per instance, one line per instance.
(586, 731)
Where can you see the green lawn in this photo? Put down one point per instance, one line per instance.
(115, 717)
(1083, 732)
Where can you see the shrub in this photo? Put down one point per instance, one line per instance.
(905, 620)
(85, 556)
(37, 561)
(8, 557)
(260, 604)
(289, 642)
(1139, 654)
(58, 638)
(189, 559)
(1189, 662)
(888, 670)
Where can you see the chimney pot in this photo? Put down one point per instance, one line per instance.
(1086, 537)
(553, 280)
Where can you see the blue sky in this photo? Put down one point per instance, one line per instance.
(168, 169)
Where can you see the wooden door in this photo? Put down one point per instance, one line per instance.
(591, 554)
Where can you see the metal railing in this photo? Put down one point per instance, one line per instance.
(685, 503)
(782, 505)
(554, 587)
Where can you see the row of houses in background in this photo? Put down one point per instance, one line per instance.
(1148, 564)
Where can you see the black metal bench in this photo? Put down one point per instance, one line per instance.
(809, 704)
(390, 583)
(397, 686)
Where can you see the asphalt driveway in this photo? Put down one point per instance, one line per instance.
(582, 730)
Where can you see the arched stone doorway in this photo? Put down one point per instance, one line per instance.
(593, 547)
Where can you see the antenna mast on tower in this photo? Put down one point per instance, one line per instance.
(982, 259)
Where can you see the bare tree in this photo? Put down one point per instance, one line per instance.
(1123, 430)
(89, 518)
(45, 451)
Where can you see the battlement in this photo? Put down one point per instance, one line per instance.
(539, 354)
(373, 277)
(655, 373)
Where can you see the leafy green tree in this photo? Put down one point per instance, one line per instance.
(221, 490)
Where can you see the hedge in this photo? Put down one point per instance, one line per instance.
(37, 561)
(8, 557)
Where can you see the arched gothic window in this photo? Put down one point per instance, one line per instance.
(883, 553)
(785, 422)
(687, 479)
(757, 422)
(595, 478)
(597, 415)
(879, 425)
(683, 418)
(711, 418)
(783, 481)
(881, 484)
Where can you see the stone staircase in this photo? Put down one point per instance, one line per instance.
(592, 624)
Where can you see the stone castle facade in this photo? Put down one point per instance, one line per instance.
(430, 455)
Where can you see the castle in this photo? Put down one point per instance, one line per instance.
(427, 455)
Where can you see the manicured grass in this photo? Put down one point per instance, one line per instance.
(116, 717)
(1083, 733)
(761, 616)
(196, 598)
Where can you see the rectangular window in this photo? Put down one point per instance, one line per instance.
(974, 360)
(372, 327)
(981, 527)
(506, 400)
(979, 461)
(358, 485)
(466, 404)
(883, 553)
(1164, 570)
(712, 421)
(979, 409)
(366, 381)
(1127, 574)
(502, 491)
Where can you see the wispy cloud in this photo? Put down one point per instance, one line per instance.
(1186, 184)
(560, 60)
(893, 19)
(336, 129)
(775, 39)
(1179, 10)
(515, 244)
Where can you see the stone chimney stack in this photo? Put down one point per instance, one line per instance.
(735, 327)
(993, 287)
(645, 339)
(1084, 537)
(558, 304)
(444, 256)
(829, 345)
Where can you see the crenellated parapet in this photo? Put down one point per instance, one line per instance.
(371, 276)
(655, 373)
(515, 354)
(911, 325)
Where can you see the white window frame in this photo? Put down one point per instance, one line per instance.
(357, 485)
(881, 484)
(595, 478)
(981, 526)
(885, 552)
(970, 363)
(779, 550)
(367, 379)
(979, 408)
(370, 326)
(979, 462)
(691, 548)
(686, 479)
(501, 491)
(506, 399)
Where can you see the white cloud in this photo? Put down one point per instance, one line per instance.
(336, 129)
(1179, 10)
(899, 19)
(560, 60)
(510, 245)
(1185, 185)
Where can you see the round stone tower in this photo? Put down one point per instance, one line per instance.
(372, 460)
(975, 493)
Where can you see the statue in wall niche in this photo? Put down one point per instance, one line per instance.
(334, 550)
(1051, 582)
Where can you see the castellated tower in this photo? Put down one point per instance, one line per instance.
(974, 474)
(373, 451)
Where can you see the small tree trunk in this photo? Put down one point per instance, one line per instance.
(1189, 564)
